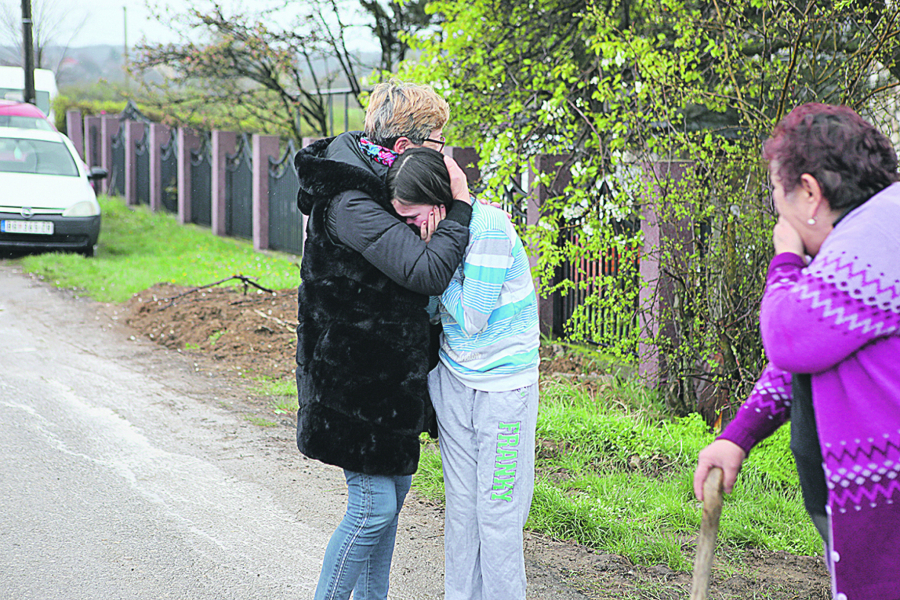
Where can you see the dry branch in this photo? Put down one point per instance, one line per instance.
(242, 278)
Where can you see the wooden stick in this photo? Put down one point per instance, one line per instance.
(709, 528)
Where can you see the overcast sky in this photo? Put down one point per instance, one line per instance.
(106, 22)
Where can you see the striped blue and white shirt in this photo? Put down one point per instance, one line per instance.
(489, 311)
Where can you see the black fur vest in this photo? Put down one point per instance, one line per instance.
(361, 340)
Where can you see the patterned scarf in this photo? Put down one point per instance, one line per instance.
(379, 154)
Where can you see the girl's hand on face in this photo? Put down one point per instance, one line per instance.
(786, 239)
(437, 215)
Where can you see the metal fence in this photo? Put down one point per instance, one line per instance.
(117, 172)
(588, 277)
(285, 220)
(168, 174)
(201, 182)
(142, 167)
(94, 134)
(285, 229)
(513, 202)
(239, 190)
(346, 96)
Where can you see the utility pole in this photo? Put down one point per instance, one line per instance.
(28, 48)
(125, 45)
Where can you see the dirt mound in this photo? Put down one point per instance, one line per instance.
(245, 331)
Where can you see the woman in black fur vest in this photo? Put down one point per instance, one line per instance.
(362, 338)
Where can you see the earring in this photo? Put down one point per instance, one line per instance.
(811, 221)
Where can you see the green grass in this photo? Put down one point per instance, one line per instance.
(138, 249)
(282, 393)
(614, 479)
(261, 422)
(214, 337)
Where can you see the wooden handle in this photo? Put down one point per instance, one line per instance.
(709, 527)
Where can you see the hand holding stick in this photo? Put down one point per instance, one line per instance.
(709, 528)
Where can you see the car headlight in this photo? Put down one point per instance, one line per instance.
(85, 208)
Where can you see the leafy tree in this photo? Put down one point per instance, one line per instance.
(272, 68)
(658, 110)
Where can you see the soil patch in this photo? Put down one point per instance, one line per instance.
(248, 333)
(238, 333)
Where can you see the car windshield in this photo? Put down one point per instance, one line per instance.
(37, 157)
(23, 122)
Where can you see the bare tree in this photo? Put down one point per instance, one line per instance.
(275, 67)
(54, 26)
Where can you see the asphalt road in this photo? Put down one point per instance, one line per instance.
(124, 474)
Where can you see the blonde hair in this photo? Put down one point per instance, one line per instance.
(398, 109)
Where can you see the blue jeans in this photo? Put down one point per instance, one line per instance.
(358, 557)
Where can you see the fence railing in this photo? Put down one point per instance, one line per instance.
(245, 186)
(201, 182)
(238, 191)
(168, 174)
(286, 232)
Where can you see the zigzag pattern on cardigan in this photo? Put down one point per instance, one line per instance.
(875, 291)
(771, 396)
(857, 315)
(863, 473)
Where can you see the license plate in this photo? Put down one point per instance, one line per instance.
(36, 227)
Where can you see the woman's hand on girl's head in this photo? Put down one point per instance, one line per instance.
(459, 185)
(428, 227)
(786, 238)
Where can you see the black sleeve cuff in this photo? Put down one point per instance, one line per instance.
(461, 212)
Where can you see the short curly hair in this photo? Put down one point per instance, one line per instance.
(398, 109)
(849, 158)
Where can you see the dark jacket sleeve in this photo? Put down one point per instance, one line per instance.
(394, 248)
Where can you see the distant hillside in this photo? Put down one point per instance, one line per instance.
(90, 64)
(77, 65)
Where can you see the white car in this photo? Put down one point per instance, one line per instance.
(47, 201)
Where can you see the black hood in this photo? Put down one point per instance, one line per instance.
(331, 166)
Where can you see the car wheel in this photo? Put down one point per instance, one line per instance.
(87, 251)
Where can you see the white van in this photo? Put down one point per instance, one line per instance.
(12, 87)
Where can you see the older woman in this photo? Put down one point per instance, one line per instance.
(830, 331)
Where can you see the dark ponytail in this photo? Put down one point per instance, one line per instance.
(419, 176)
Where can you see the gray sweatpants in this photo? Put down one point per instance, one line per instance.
(487, 450)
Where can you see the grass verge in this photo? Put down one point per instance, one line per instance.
(139, 248)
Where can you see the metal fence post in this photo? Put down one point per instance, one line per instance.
(109, 127)
(187, 140)
(158, 135)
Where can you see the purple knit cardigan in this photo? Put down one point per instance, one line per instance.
(838, 319)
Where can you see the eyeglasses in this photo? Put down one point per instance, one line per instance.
(439, 142)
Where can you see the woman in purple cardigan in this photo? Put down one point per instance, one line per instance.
(831, 331)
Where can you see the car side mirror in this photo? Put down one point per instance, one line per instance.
(97, 173)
